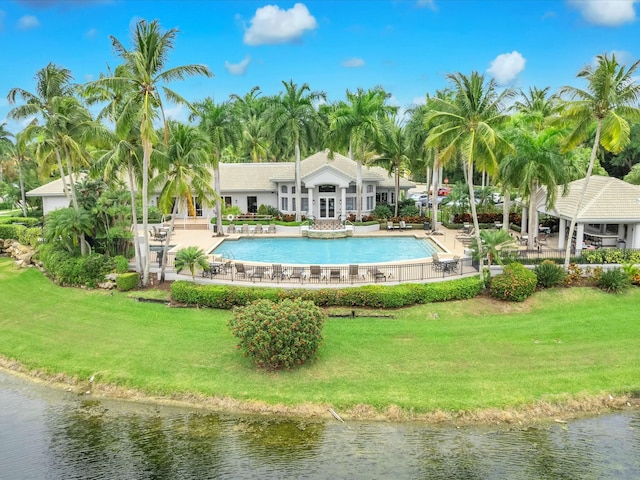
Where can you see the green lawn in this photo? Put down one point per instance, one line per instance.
(469, 356)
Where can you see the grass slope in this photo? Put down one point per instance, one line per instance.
(468, 355)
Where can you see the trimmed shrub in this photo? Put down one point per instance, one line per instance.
(369, 296)
(278, 335)
(11, 231)
(67, 269)
(127, 281)
(30, 236)
(382, 211)
(549, 274)
(614, 280)
(25, 221)
(516, 284)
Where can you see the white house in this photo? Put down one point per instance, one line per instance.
(328, 188)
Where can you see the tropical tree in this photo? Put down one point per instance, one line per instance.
(608, 103)
(356, 122)
(292, 115)
(191, 257)
(537, 105)
(20, 154)
(467, 125)
(223, 131)
(492, 243)
(5, 144)
(394, 149)
(184, 176)
(67, 226)
(144, 74)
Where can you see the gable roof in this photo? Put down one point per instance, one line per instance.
(53, 188)
(606, 200)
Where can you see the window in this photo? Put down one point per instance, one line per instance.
(284, 204)
(327, 188)
(293, 189)
(304, 189)
(369, 188)
(226, 201)
(305, 204)
(293, 204)
(370, 202)
(351, 203)
(351, 189)
(284, 189)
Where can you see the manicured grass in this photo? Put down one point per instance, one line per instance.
(452, 356)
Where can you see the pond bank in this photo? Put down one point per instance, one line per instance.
(559, 411)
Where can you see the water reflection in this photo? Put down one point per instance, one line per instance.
(46, 434)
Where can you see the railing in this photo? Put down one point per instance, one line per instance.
(232, 271)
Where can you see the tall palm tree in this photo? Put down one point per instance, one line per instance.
(222, 130)
(20, 153)
(146, 76)
(185, 174)
(292, 115)
(608, 103)
(467, 125)
(5, 143)
(537, 105)
(393, 148)
(357, 121)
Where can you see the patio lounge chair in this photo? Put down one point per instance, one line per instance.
(231, 229)
(403, 225)
(297, 272)
(315, 272)
(245, 228)
(240, 271)
(334, 274)
(277, 272)
(390, 226)
(259, 228)
(354, 273)
(377, 274)
(272, 228)
(258, 272)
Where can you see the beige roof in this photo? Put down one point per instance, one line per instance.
(606, 200)
(54, 188)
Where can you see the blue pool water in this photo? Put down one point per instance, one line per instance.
(326, 252)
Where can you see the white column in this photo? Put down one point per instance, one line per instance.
(525, 220)
(562, 232)
(312, 210)
(343, 200)
(579, 237)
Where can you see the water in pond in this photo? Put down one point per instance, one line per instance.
(327, 252)
(47, 434)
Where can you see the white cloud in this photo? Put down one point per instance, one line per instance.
(426, 4)
(271, 25)
(506, 67)
(353, 63)
(237, 68)
(27, 22)
(91, 33)
(419, 100)
(609, 13)
(178, 113)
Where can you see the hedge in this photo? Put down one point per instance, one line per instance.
(370, 296)
(127, 281)
(26, 221)
(11, 231)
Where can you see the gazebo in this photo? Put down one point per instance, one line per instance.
(609, 216)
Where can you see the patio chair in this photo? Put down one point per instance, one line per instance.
(297, 272)
(245, 228)
(315, 272)
(334, 274)
(231, 229)
(259, 228)
(272, 228)
(389, 225)
(403, 225)
(438, 265)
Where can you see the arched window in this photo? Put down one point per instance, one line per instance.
(284, 189)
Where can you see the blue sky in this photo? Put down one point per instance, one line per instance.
(406, 46)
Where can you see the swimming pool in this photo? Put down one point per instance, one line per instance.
(326, 252)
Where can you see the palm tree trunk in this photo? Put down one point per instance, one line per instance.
(397, 188)
(74, 200)
(434, 198)
(217, 186)
(533, 217)
(506, 209)
(298, 182)
(22, 194)
(146, 157)
(474, 215)
(572, 227)
(134, 216)
(165, 250)
(358, 191)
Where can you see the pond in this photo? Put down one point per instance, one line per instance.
(350, 250)
(50, 434)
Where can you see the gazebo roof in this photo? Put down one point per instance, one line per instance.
(606, 200)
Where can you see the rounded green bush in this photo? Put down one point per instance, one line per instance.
(278, 335)
(549, 274)
(515, 284)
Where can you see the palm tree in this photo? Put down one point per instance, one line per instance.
(185, 174)
(393, 149)
(355, 122)
(68, 225)
(190, 257)
(222, 130)
(292, 115)
(19, 153)
(145, 75)
(5, 144)
(467, 125)
(537, 105)
(492, 242)
(608, 102)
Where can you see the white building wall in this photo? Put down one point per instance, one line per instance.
(50, 204)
